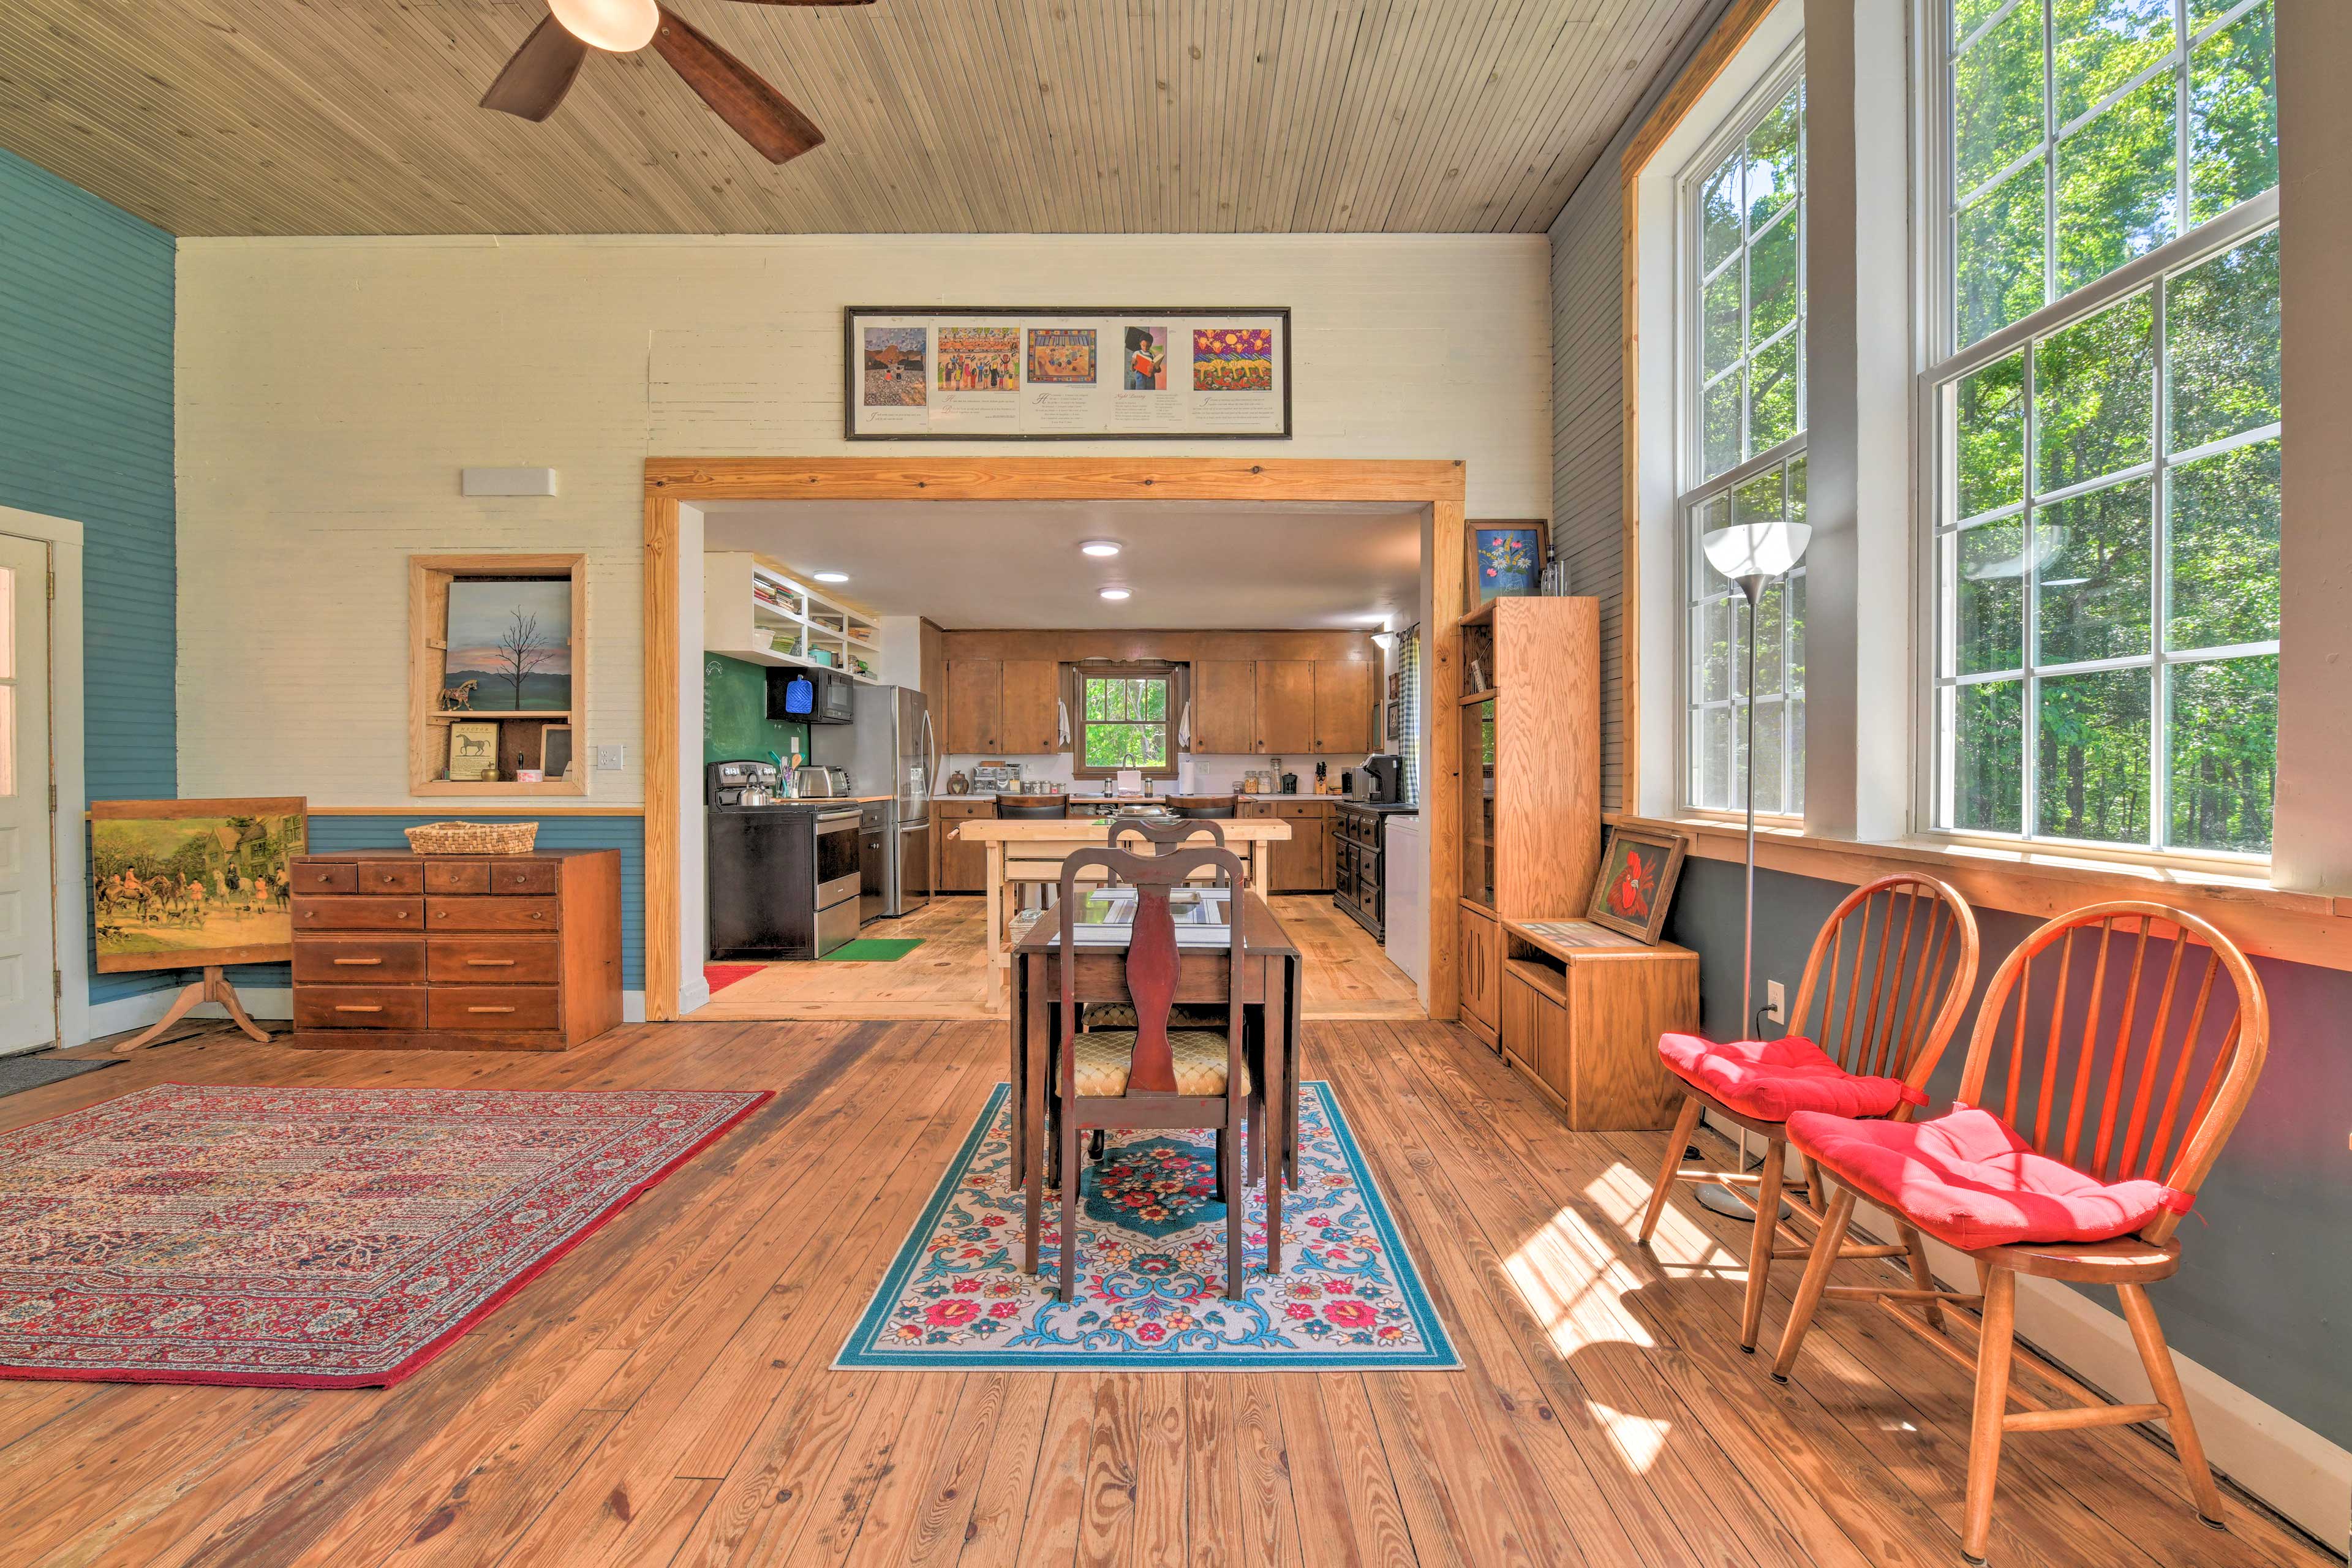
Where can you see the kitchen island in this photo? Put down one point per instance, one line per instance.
(1028, 854)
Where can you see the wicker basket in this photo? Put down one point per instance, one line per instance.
(474, 838)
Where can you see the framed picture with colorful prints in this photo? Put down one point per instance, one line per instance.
(1507, 559)
(1639, 867)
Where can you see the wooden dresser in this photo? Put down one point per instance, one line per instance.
(395, 951)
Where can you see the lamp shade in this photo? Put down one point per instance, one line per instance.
(618, 26)
(1756, 548)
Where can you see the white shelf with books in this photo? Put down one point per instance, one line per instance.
(754, 610)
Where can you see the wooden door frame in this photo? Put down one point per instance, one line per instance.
(671, 482)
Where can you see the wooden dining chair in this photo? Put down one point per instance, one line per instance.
(1151, 1075)
(1882, 989)
(2093, 1194)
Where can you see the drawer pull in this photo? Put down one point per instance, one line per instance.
(491, 963)
(440, 914)
(538, 914)
(357, 1007)
(489, 1009)
(358, 961)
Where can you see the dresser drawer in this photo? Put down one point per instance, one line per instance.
(493, 1006)
(359, 912)
(522, 878)
(325, 877)
(359, 1008)
(359, 960)
(390, 876)
(493, 914)
(457, 876)
(494, 959)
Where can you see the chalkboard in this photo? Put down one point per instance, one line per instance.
(735, 720)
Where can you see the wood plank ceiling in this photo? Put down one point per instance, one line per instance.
(273, 117)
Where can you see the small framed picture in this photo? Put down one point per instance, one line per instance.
(1396, 684)
(555, 751)
(473, 753)
(1638, 869)
(1506, 558)
(1396, 722)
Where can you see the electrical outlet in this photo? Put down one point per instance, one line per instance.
(610, 758)
(1776, 1001)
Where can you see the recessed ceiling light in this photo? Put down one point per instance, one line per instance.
(1101, 547)
(1113, 594)
(832, 576)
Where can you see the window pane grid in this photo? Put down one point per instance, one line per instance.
(1717, 629)
(2006, 717)
(1747, 377)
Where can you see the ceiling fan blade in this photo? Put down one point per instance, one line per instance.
(754, 111)
(537, 75)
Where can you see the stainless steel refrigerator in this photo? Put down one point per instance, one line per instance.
(889, 747)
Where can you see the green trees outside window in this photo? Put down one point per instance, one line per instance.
(1123, 723)
(2106, 542)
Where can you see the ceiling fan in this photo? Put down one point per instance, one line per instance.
(538, 74)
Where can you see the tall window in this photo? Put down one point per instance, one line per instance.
(1125, 720)
(1743, 459)
(2106, 513)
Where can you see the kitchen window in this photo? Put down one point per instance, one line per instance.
(1741, 370)
(2104, 536)
(1126, 718)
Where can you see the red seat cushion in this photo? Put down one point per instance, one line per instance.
(1967, 1179)
(1772, 1080)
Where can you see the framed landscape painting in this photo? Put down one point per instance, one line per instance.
(181, 884)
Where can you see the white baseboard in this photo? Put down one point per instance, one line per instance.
(261, 1001)
(693, 994)
(2271, 1455)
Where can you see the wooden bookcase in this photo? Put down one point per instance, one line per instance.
(520, 731)
(1530, 844)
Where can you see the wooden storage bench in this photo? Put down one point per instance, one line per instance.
(1580, 1011)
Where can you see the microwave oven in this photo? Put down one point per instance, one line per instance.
(812, 697)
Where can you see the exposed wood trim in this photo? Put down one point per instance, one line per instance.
(669, 482)
(2271, 922)
(1722, 46)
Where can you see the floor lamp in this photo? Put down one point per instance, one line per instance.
(1751, 554)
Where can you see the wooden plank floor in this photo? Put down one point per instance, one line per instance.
(663, 1393)
(948, 979)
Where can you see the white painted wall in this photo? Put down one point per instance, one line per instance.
(329, 391)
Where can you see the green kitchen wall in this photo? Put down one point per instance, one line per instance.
(735, 722)
(86, 429)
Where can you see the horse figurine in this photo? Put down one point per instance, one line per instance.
(459, 698)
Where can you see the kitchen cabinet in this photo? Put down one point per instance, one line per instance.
(1300, 863)
(1344, 707)
(1224, 707)
(963, 865)
(1030, 725)
(1481, 973)
(1286, 707)
(976, 706)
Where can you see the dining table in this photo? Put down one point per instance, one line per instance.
(1272, 966)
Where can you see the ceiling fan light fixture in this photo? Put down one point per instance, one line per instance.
(618, 27)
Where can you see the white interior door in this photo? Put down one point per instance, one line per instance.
(28, 1002)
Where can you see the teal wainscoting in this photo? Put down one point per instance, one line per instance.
(85, 431)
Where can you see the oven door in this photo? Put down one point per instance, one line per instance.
(839, 860)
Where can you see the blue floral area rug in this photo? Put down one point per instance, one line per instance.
(1151, 1261)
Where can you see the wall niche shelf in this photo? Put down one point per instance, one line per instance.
(523, 732)
(756, 610)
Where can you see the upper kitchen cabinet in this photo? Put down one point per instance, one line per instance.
(1225, 706)
(1031, 723)
(1286, 707)
(976, 705)
(1344, 706)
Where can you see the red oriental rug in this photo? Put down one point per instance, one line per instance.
(309, 1238)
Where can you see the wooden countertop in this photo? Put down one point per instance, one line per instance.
(1097, 829)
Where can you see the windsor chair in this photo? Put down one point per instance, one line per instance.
(2019, 1204)
(1898, 957)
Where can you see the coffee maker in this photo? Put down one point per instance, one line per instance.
(1380, 782)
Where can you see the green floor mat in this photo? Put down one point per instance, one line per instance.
(875, 949)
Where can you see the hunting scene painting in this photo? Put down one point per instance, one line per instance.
(180, 883)
(509, 645)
